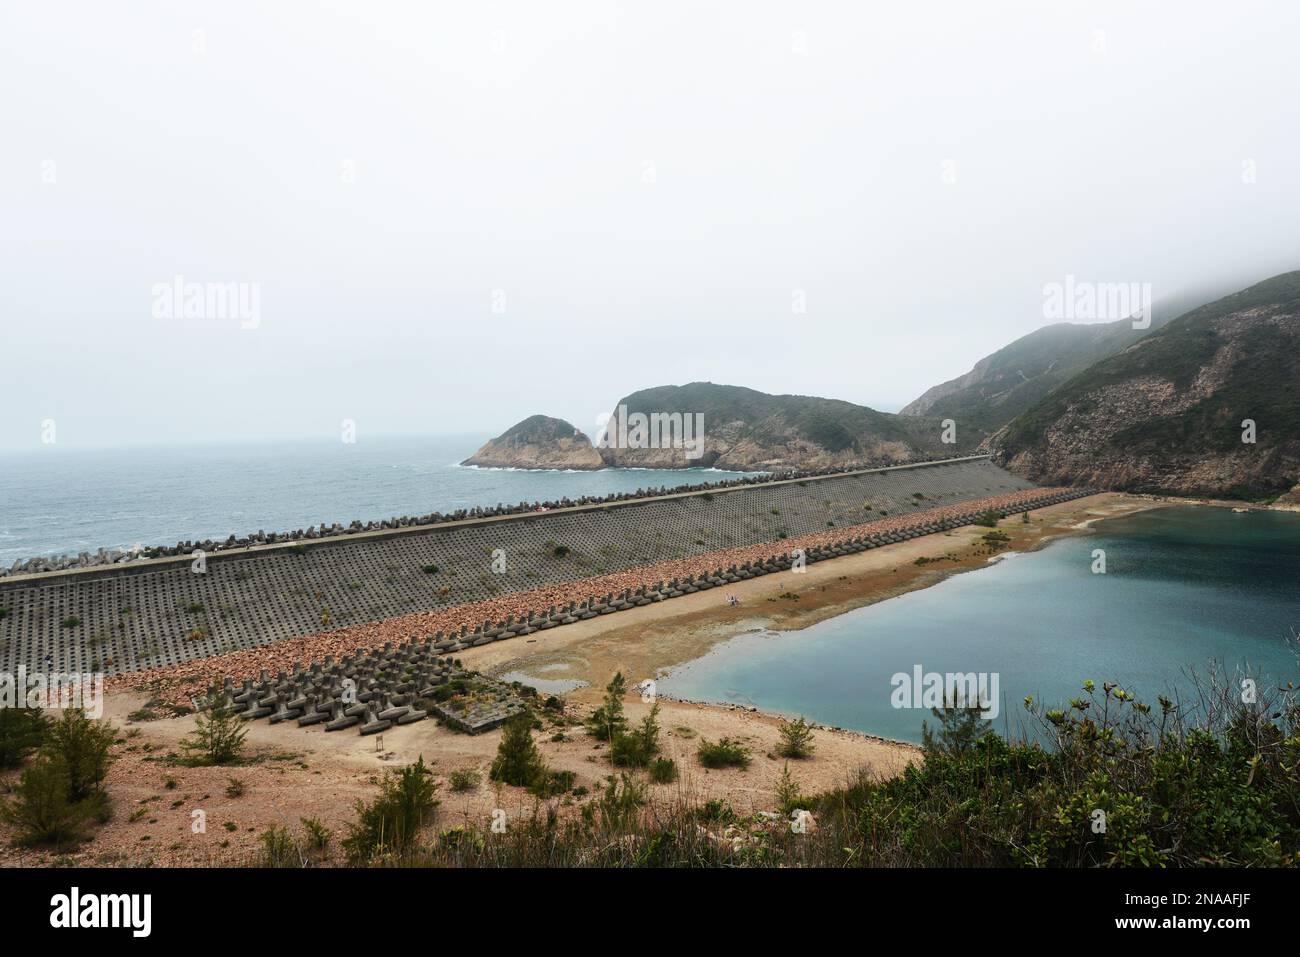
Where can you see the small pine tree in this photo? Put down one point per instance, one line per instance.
(959, 728)
(41, 810)
(788, 797)
(796, 739)
(607, 722)
(648, 732)
(22, 731)
(391, 823)
(518, 762)
(620, 801)
(218, 736)
(279, 849)
(82, 745)
(637, 748)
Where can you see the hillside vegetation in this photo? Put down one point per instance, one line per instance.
(1013, 379)
(749, 430)
(1109, 781)
(1166, 414)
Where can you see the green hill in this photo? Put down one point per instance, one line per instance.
(1013, 379)
(747, 430)
(1166, 413)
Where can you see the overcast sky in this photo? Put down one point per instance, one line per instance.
(459, 214)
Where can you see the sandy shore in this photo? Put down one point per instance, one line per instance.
(308, 773)
(643, 642)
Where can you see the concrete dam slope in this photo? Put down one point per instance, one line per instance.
(161, 613)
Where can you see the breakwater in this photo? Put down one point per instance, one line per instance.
(164, 612)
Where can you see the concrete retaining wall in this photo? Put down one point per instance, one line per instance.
(161, 613)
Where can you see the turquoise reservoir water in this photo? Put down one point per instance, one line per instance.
(1184, 586)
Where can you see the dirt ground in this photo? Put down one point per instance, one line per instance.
(298, 773)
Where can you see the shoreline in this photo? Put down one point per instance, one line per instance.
(1061, 527)
(829, 586)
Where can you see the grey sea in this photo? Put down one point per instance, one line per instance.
(65, 501)
(1186, 589)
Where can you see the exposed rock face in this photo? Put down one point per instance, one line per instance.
(1010, 381)
(1167, 414)
(703, 425)
(538, 442)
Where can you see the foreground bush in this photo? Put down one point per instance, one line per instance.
(390, 824)
(41, 810)
(82, 745)
(1115, 785)
(1109, 781)
(63, 789)
(279, 849)
(22, 731)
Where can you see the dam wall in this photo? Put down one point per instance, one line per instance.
(162, 612)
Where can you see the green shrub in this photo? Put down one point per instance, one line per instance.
(82, 745)
(218, 736)
(390, 824)
(518, 762)
(1172, 791)
(620, 801)
(796, 739)
(279, 848)
(318, 835)
(429, 569)
(715, 811)
(463, 779)
(788, 796)
(41, 810)
(607, 722)
(663, 771)
(235, 788)
(551, 783)
(989, 518)
(723, 754)
(959, 728)
(22, 731)
(637, 748)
